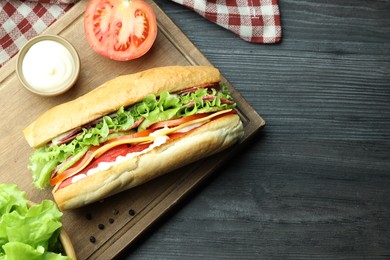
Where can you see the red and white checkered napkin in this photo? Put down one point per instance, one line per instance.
(253, 20)
(23, 20)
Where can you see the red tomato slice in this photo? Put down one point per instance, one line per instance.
(109, 156)
(112, 154)
(120, 29)
(176, 122)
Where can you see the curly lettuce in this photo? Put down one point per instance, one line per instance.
(28, 232)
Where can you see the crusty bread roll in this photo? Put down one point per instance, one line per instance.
(211, 137)
(204, 141)
(104, 99)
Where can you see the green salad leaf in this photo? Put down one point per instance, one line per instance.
(152, 109)
(28, 232)
(17, 251)
(12, 200)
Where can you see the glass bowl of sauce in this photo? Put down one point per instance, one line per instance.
(48, 65)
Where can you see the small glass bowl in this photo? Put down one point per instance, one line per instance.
(75, 63)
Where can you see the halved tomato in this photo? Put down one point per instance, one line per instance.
(120, 29)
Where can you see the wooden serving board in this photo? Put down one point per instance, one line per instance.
(117, 221)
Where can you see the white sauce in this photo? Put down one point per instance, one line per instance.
(47, 66)
(78, 177)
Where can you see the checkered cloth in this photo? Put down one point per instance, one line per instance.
(253, 20)
(23, 20)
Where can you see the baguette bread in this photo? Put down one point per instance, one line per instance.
(104, 100)
(209, 138)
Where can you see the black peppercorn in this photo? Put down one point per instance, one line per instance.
(131, 212)
(101, 226)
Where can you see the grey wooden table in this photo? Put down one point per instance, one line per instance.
(315, 183)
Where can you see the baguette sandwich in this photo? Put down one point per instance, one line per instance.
(130, 130)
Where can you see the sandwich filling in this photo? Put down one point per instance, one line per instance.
(128, 132)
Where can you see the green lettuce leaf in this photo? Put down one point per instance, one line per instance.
(12, 199)
(28, 232)
(18, 250)
(29, 228)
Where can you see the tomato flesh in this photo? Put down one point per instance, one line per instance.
(112, 154)
(109, 156)
(120, 29)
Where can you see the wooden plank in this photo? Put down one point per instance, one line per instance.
(115, 222)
